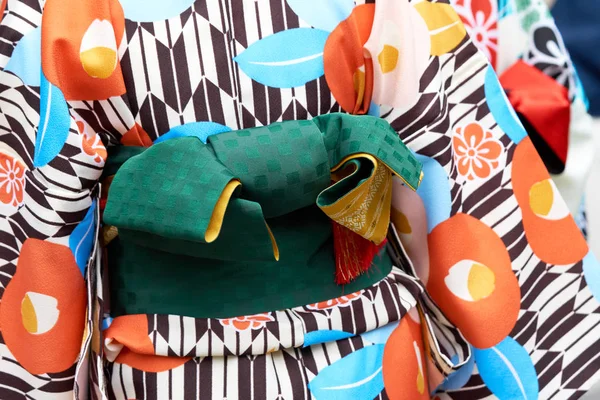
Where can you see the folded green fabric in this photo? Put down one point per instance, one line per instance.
(345, 135)
(145, 280)
(201, 226)
(181, 189)
(283, 166)
(250, 237)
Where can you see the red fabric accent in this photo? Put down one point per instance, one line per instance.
(543, 102)
(353, 254)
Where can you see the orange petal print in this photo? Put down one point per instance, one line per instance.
(79, 48)
(42, 314)
(404, 374)
(472, 280)
(136, 136)
(248, 321)
(341, 301)
(131, 332)
(549, 228)
(92, 144)
(473, 134)
(242, 325)
(348, 73)
(2, 8)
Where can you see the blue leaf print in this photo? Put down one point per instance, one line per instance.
(458, 379)
(380, 335)
(324, 336)
(434, 191)
(201, 130)
(374, 110)
(153, 10)
(505, 8)
(53, 128)
(356, 376)
(591, 273)
(507, 370)
(106, 323)
(81, 240)
(501, 109)
(286, 59)
(26, 59)
(322, 14)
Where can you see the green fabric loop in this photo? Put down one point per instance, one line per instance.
(345, 135)
(243, 226)
(282, 166)
(362, 170)
(170, 191)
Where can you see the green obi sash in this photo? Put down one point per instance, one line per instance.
(201, 226)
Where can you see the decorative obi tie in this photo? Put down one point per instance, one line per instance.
(198, 199)
(201, 225)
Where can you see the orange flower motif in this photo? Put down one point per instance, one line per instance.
(12, 180)
(248, 321)
(476, 151)
(341, 301)
(92, 146)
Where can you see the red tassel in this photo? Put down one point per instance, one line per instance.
(353, 254)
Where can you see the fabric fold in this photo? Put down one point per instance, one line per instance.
(224, 191)
(362, 200)
(544, 108)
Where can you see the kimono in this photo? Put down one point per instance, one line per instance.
(291, 199)
(523, 44)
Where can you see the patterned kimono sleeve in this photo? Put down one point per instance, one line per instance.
(522, 34)
(490, 204)
(51, 159)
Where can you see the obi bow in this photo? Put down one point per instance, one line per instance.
(199, 199)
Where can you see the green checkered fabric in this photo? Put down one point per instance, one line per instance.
(345, 135)
(170, 190)
(283, 166)
(243, 225)
(162, 200)
(144, 279)
(164, 197)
